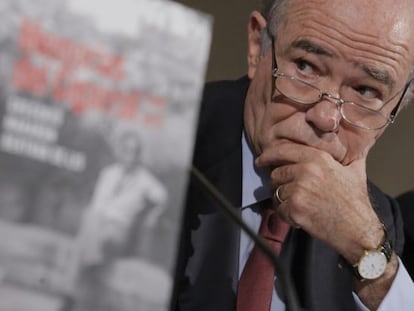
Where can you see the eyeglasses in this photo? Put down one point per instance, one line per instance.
(355, 114)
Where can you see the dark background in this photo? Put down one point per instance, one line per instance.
(390, 163)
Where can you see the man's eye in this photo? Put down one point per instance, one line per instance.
(367, 92)
(303, 66)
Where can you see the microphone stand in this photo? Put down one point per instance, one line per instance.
(285, 279)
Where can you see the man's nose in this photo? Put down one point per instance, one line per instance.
(325, 115)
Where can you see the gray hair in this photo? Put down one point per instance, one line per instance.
(272, 11)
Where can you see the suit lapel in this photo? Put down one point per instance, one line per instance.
(211, 239)
(214, 264)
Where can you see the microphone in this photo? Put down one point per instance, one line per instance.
(292, 303)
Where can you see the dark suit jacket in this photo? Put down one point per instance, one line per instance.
(406, 201)
(207, 266)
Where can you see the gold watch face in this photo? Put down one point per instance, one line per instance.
(372, 265)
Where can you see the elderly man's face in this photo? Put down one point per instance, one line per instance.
(341, 47)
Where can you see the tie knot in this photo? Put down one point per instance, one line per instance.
(272, 226)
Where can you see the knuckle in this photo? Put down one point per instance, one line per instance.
(295, 202)
(326, 157)
(310, 167)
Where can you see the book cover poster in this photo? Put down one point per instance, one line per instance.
(98, 110)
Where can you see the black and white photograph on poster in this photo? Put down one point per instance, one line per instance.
(97, 122)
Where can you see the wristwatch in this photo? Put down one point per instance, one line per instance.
(373, 263)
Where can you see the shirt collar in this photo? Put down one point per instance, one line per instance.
(255, 180)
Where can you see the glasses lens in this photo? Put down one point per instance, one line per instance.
(362, 116)
(297, 90)
(304, 93)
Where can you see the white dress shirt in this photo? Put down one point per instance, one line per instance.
(255, 188)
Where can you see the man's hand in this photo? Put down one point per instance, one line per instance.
(327, 199)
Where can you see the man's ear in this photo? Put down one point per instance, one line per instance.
(255, 28)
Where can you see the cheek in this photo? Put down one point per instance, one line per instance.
(276, 114)
(271, 116)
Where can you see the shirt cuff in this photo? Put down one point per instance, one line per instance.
(400, 296)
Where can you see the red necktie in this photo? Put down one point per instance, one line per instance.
(256, 281)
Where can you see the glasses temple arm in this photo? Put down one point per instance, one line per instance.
(397, 107)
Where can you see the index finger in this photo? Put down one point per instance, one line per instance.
(288, 153)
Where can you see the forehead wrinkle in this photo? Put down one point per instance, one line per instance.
(309, 20)
(376, 51)
(310, 47)
(382, 76)
(353, 41)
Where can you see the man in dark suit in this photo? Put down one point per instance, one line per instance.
(406, 201)
(324, 80)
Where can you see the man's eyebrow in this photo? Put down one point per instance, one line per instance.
(382, 76)
(379, 75)
(310, 47)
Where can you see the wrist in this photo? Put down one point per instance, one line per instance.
(369, 238)
(372, 292)
(373, 263)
